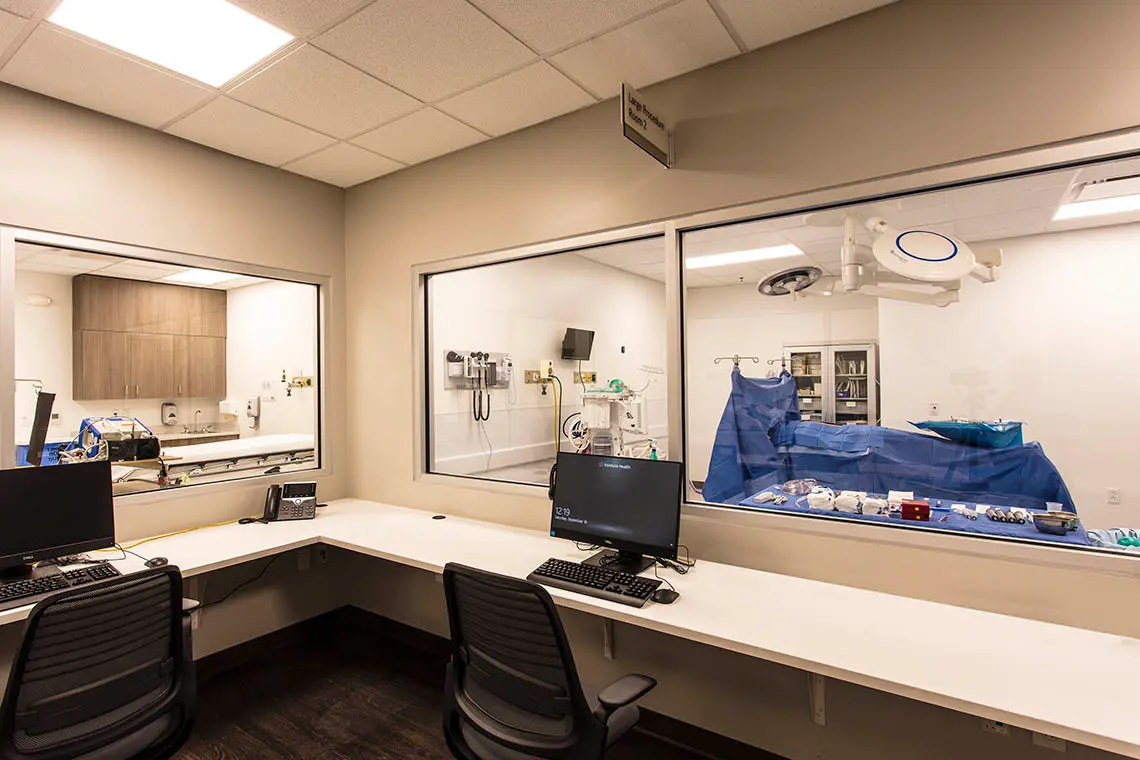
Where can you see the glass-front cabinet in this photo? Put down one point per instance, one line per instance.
(836, 383)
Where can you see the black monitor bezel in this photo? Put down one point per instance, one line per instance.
(630, 547)
(9, 561)
(572, 356)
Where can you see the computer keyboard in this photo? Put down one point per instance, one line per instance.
(18, 593)
(599, 582)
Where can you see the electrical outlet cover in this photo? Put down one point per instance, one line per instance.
(995, 727)
(1113, 496)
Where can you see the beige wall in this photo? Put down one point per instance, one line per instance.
(918, 84)
(67, 170)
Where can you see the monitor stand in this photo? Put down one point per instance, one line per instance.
(26, 572)
(620, 562)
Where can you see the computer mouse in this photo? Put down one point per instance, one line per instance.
(157, 562)
(665, 596)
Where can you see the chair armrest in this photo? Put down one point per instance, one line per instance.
(624, 691)
(189, 605)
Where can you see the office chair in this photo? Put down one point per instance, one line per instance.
(104, 672)
(512, 689)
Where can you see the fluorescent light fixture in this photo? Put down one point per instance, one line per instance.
(208, 40)
(1100, 207)
(743, 257)
(1114, 196)
(200, 277)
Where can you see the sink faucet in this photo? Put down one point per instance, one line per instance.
(197, 429)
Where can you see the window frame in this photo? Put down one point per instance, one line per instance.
(11, 235)
(699, 515)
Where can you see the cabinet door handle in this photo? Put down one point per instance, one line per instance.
(126, 391)
(136, 391)
(180, 389)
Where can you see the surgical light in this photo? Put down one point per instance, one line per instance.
(200, 277)
(743, 257)
(211, 41)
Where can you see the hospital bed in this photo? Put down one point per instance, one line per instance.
(218, 460)
(761, 443)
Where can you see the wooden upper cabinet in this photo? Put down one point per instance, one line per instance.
(151, 365)
(107, 303)
(100, 365)
(207, 312)
(138, 339)
(207, 366)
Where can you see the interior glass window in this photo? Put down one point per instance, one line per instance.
(178, 375)
(926, 361)
(563, 352)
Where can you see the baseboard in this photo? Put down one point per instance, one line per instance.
(324, 630)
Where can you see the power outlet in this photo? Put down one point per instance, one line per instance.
(1049, 742)
(1113, 496)
(995, 727)
(585, 377)
(548, 368)
(532, 376)
(932, 410)
(322, 556)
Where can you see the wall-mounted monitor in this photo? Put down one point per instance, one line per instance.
(577, 344)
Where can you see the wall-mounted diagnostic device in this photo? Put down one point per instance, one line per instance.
(479, 372)
(253, 411)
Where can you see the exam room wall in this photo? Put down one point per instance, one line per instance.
(523, 308)
(69, 170)
(1046, 345)
(779, 121)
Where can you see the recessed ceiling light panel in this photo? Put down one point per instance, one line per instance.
(200, 277)
(743, 257)
(208, 40)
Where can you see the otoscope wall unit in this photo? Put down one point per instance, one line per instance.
(477, 370)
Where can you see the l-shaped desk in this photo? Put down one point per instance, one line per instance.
(1040, 676)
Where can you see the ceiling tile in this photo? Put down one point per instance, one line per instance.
(698, 280)
(428, 48)
(140, 270)
(762, 23)
(54, 63)
(518, 100)
(421, 136)
(10, 27)
(300, 17)
(314, 89)
(548, 25)
(665, 44)
(243, 131)
(343, 165)
(25, 8)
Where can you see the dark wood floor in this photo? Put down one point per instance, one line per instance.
(348, 696)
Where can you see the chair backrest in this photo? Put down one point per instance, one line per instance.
(103, 672)
(512, 677)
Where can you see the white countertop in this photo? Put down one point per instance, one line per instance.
(164, 435)
(931, 652)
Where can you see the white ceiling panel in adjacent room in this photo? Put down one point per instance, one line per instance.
(25, 8)
(317, 91)
(247, 132)
(763, 22)
(549, 25)
(302, 18)
(133, 269)
(427, 48)
(55, 63)
(665, 44)
(420, 136)
(518, 100)
(343, 165)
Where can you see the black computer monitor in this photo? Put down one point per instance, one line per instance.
(49, 512)
(577, 344)
(631, 506)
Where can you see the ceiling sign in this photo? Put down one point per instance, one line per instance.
(645, 127)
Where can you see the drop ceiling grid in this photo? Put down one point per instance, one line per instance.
(527, 32)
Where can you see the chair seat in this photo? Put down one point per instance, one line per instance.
(618, 725)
